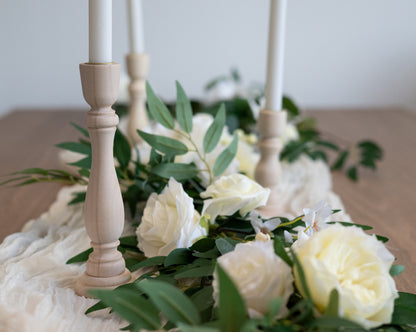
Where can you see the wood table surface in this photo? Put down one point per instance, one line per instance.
(385, 199)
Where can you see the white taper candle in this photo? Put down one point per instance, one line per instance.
(136, 30)
(274, 76)
(100, 31)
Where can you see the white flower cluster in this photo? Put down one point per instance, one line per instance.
(332, 256)
(170, 220)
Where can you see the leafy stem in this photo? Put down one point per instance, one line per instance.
(197, 151)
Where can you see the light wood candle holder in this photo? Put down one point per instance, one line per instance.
(137, 68)
(104, 212)
(271, 126)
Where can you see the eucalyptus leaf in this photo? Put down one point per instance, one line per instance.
(396, 269)
(280, 251)
(183, 109)
(226, 157)
(405, 309)
(79, 198)
(232, 311)
(83, 163)
(166, 145)
(171, 302)
(203, 298)
(333, 303)
(82, 257)
(82, 130)
(122, 149)
(214, 132)
(224, 246)
(75, 147)
(179, 256)
(201, 271)
(131, 306)
(178, 171)
(152, 261)
(158, 109)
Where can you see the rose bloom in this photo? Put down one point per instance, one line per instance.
(233, 193)
(356, 265)
(259, 275)
(169, 221)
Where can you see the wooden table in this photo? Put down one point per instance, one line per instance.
(384, 199)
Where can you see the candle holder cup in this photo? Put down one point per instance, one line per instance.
(137, 68)
(104, 212)
(271, 126)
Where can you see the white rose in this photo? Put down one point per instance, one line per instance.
(259, 275)
(356, 265)
(169, 221)
(233, 193)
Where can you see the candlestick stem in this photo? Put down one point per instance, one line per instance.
(137, 68)
(104, 213)
(271, 126)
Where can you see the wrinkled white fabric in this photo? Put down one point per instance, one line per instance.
(36, 286)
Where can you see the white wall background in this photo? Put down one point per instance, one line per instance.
(340, 53)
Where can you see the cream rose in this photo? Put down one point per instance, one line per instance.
(233, 193)
(356, 265)
(169, 221)
(259, 275)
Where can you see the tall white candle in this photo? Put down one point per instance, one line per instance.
(136, 31)
(274, 79)
(100, 31)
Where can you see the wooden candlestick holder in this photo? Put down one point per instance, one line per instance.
(137, 68)
(271, 126)
(104, 212)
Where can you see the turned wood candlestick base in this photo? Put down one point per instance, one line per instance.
(271, 125)
(104, 212)
(137, 68)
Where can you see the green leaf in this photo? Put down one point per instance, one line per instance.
(396, 269)
(79, 198)
(173, 304)
(350, 224)
(152, 261)
(122, 149)
(183, 109)
(187, 328)
(83, 163)
(158, 110)
(226, 157)
(281, 252)
(301, 275)
(336, 324)
(98, 306)
(82, 130)
(328, 145)
(203, 298)
(214, 132)
(232, 311)
(290, 106)
(131, 306)
(201, 271)
(179, 256)
(224, 245)
(178, 171)
(166, 145)
(128, 241)
(382, 238)
(203, 245)
(342, 157)
(333, 303)
(352, 173)
(405, 309)
(274, 308)
(132, 196)
(75, 147)
(82, 257)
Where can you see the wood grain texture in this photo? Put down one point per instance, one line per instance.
(384, 199)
